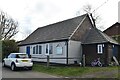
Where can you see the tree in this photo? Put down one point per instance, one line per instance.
(92, 11)
(8, 26)
(9, 46)
(88, 9)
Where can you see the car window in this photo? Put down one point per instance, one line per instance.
(21, 56)
(9, 56)
(12, 56)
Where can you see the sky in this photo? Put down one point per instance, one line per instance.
(32, 14)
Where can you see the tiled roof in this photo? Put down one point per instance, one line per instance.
(64, 29)
(117, 23)
(57, 31)
(96, 36)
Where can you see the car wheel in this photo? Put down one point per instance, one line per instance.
(3, 63)
(13, 67)
(99, 64)
(30, 68)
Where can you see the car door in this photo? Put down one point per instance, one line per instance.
(7, 59)
(11, 59)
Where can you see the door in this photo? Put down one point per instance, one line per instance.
(8, 60)
(115, 51)
(28, 50)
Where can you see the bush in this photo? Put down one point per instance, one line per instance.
(119, 38)
(8, 46)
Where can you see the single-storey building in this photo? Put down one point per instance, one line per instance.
(66, 41)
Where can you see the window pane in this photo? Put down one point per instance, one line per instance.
(9, 56)
(59, 50)
(50, 49)
(100, 48)
(40, 49)
(46, 48)
(13, 55)
(37, 49)
(21, 56)
(33, 50)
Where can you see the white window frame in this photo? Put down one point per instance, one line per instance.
(100, 48)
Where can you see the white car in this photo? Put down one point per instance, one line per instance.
(18, 60)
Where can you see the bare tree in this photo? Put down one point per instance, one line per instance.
(92, 11)
(8, 26)
(89, 9)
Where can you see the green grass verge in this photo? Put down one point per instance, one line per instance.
(70, 71)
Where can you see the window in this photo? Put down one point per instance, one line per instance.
(34, 50)
(50, 49)
(9, 56)
(59, 50)
(47, 52)
(40, 49)
(37, 49)
(100, 48)
(21, 56)
(13, 56)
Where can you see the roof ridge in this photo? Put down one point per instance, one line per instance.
(62, 21)
(112, 26)
(103, 35)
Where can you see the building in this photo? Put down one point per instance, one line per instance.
(66, 42)
(114, 32)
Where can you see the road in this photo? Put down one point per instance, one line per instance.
(7, 73)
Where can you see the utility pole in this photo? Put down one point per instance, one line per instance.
(48, 60)
(83, 60)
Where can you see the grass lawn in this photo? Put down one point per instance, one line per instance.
(72, 71)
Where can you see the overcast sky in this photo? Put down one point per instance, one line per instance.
(32, 14)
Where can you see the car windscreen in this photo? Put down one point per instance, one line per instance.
(21, 56)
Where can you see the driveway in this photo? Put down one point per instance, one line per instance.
(7, 73)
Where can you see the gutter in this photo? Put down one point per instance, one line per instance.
(43, 42)
(67, 52)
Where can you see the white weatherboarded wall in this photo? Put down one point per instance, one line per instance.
(22, 49)
(56, 58)
(74, 51)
